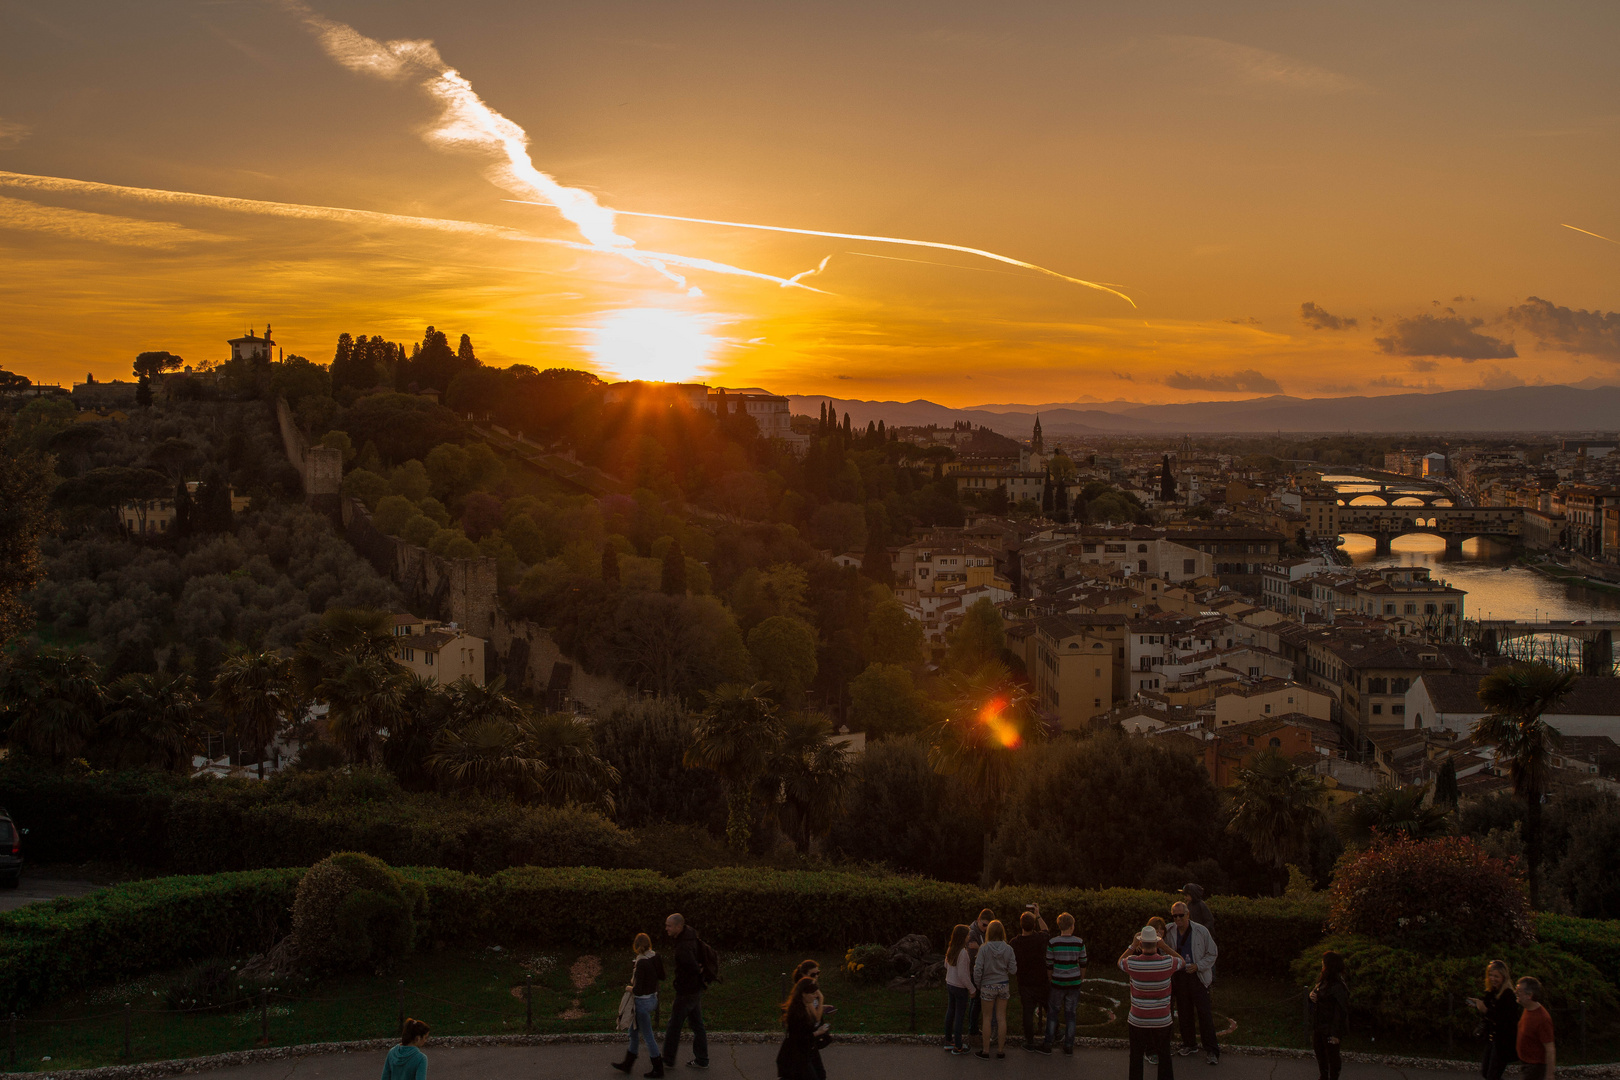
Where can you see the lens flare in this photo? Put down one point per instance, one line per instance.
(654, 344)
(994, 720)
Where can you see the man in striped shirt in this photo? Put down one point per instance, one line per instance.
(1150, 968)
(1066, 967)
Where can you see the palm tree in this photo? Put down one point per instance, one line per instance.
(257, 695)
(736, 736)
(990, 718)
(1393, 810)
(1515, 696)
(342, 633)
(1275, 807)
(572, 771)
(367, 699)
(810, 772)
(51, 702)
(487, 756)
(154, 719)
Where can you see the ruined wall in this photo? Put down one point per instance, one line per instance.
(461, 591)
(528, 654)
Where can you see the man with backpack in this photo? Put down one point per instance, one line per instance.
(697, 965)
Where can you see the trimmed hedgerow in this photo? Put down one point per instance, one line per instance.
(1421, 993)
(1595, 940)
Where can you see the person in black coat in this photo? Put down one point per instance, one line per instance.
(800, 1055)
(646, 972)
(1330, 1015)
(1500, 1008)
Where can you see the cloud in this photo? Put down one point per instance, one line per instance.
(1421, 365)
(1585, 333)
(1395, 382)
(1444, 335)
(1238, 382)
(11, 132)
(98, 228)
(1499, 378)
(1318, 319)
(1259, 69)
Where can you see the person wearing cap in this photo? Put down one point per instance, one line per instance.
(1197, 908)
(1151, 969)
(1196, 945)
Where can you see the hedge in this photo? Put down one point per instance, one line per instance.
(50, 950)
(1596, 940)
(207, 826)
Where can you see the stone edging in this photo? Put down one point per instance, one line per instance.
(152, 1070)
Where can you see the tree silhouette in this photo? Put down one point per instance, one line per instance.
(154, 720)
(1515, 697)
(26, 482)
(258, 696)
(1393, 810)
(672, 580)
(1275, 808)
(811, 773)
(51, 701)
(737, 736)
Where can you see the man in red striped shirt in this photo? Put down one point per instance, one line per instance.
(1150, 967)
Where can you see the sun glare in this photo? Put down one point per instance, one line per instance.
(655, 344)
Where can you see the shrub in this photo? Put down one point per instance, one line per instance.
(355, 913)
(1597, 941)
(1431, 895)
(867, 964)
(1410, 991)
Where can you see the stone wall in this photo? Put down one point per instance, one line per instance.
(321, 467)
(461, 591)
(529, 655)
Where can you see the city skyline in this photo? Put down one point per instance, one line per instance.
(1314, 204)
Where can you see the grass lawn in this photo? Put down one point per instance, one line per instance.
(471, 991)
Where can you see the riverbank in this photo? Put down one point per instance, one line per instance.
(1565, 575)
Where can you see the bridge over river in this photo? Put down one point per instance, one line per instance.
(1454, 524)
(1572, 643)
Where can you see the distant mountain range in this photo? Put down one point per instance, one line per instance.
(1514, 409)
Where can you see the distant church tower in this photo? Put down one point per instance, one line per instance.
(1036, 444)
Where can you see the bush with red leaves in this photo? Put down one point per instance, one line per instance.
(1446, 896)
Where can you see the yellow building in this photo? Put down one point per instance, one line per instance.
(439, 651)
(1072, 669)
(1235, 704)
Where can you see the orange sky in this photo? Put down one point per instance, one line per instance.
(1407, 167)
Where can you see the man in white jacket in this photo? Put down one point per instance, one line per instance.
(1191, 987)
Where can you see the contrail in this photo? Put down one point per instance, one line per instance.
(818, 268)
(1588, 232)
(983, 254)
(307, 212)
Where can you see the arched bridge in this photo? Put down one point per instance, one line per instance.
(1454, 524)
(1426, 498)
(1593, 640)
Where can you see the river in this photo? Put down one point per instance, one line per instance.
(1496, 588)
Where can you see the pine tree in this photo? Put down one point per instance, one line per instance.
(821, 428)
(846, 429)
(883, 435)
(464, 352)
(610, 563)
(1446, 792)
(673, 580)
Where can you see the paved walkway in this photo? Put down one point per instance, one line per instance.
(757, 1061)
(32, 890)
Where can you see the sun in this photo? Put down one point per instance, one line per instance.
(655, 344)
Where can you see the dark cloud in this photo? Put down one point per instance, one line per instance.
(1238, 382)
(1444, 335)
(1395, 382)
(1421, 365)
(1586, 333)
(1318, 319)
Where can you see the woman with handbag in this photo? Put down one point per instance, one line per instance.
(1500, 1008)
(638, 1004)
(1330, 1015)
(800, 1055)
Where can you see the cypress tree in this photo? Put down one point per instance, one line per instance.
(1446, 792)
(672, 582)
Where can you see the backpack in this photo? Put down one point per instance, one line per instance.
(709, 961)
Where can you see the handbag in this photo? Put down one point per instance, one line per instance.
(627, 1012)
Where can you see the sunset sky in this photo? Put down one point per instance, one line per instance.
(1310, 199)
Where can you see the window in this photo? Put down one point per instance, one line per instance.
(1276, 743)
(1389, 609)
(1378, 710)
(1268, 710)
(1451, 609)
(1096, 703)
(1397, 710)
(428, 657)
(1429, 609)
(1188, 566)
(1141, 548)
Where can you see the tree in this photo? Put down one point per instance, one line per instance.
(154, 720)
(610, 563)
(892, 635)
(1446, 793)
(1275, 808)
(885, 702)
(1079, 810)
(736, 737)
(111, 488)
(25, 516)
(1390, 811)
(812, 772)
(343, 634)
(672, 582)
(784, 652)
(978, 639)
(51, 702)
(12, 383)
(572, 770)
(148, 366)
(990, 718)
(900, 812)
(1515, 697)
(257, 694)
(366, 695)
(487, 756)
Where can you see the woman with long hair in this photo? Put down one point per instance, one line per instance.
(993, 970)
(406, 1061)
(646, 972)
(1330, 1015)
(1500, 1007)
(959, 989)
(800, 1055)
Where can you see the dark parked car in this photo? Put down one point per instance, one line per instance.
(11, 858)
